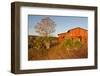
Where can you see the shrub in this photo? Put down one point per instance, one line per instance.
(42, 42)
(71, 44)
(77, 44)
(68, 43)
(38, 43)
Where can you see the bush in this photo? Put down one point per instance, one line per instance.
(77, 44)
(68, 43)
(42, 42)
(38, 42)
(71, 44)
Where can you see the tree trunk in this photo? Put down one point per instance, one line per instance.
(47, 44)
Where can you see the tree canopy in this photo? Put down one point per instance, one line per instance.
(45, 27)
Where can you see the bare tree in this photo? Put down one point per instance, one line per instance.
(45, 27)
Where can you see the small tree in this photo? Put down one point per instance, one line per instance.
(44, 28)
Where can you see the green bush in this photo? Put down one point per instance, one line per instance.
(42, 42)
(69, 43)
(38, 42)
(77, 44)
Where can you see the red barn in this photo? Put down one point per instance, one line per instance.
(75, 33)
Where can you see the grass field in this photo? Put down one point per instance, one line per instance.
(55, 51)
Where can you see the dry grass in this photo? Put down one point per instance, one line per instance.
(57, 52)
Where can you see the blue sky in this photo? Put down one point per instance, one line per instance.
(63, 23)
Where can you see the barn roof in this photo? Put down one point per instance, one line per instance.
(73, 29)
(78, 28)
